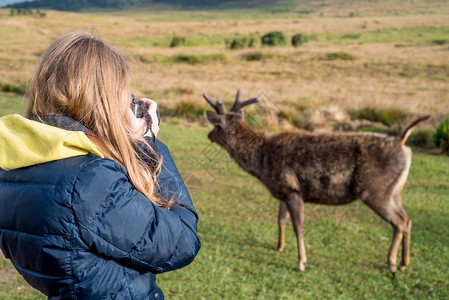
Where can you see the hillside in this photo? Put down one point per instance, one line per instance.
(277, 8)
(76, 5)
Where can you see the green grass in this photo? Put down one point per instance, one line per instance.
(11, 103)
(198, 40)
(412, 36)
(347, 246)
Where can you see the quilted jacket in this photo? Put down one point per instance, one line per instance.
(72, 223)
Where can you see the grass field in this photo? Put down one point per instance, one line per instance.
(399, 59)
(347, 246)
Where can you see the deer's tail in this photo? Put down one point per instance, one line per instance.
(409, 129)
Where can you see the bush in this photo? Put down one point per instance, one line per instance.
(440, 42)
(385, 116)
(442, 136)
(274, 38)
(299, 39)
(189, 110)
(177, 41)
(423, 138)
(238, 43)
(194, 59)
(252, 41)
(11, 88)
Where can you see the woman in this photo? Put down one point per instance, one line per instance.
(88, 210)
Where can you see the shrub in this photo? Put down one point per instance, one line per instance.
(239, 43)
(177, 41)
(196, 59)
(442, 135)
(274, 38)
(423, 138)
(440, 42)
(188, 109)
(252, 41)
(385, 116)
(299, 39)
(11, 88)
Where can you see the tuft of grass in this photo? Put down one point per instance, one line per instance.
(186, 58)
(256, 56)
(194, 59)
(337, 56)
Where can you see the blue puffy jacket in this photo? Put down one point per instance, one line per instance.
(76, 228)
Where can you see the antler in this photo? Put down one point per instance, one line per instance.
(217, 105)
(239, 105)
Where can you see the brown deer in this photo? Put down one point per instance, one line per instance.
(332, 168)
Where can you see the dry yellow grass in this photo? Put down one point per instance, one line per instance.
(412, 78)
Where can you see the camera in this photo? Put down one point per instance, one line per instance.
(140, 110)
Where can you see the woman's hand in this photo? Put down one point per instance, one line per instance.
(139, 125)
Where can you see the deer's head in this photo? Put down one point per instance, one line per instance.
(225, 123)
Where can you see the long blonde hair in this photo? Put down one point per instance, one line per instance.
(82, 77)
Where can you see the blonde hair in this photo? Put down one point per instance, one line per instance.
(82, 77)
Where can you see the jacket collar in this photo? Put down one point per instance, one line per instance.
(63, 122)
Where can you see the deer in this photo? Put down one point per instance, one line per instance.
(324, 168)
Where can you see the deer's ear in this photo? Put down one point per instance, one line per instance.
(241, 114)
(214, 118)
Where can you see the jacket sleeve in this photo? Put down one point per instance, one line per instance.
(119, 222)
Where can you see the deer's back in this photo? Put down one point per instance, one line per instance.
(332, 168)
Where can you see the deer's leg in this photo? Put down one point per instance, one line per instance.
(295, 205)
(407, 236)
(392, 211)
(283, 217)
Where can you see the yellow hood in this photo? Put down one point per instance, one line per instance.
(24, 142)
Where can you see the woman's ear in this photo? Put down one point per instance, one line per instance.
(214, 118)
